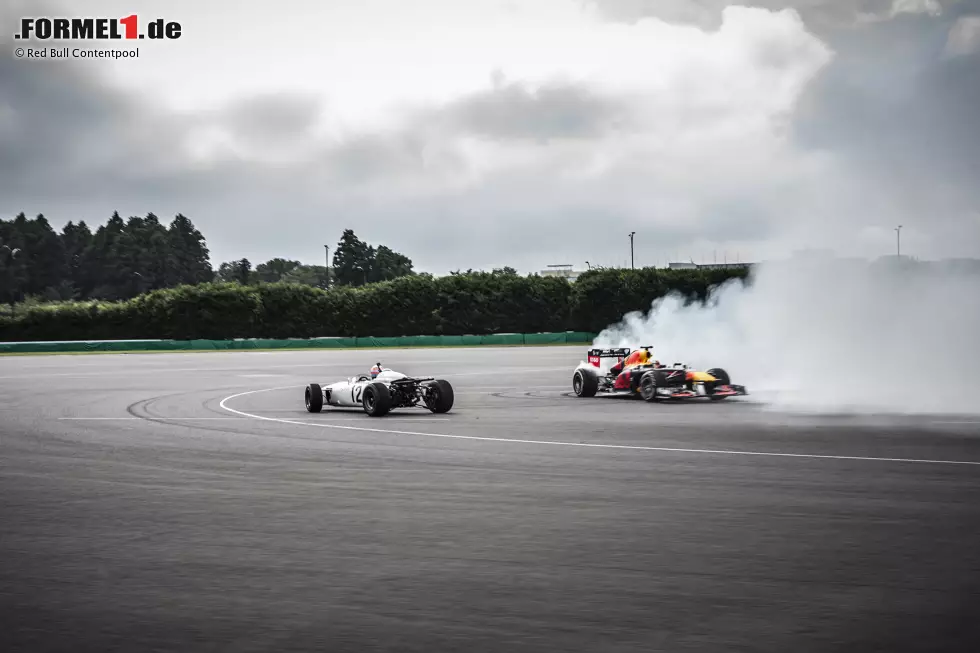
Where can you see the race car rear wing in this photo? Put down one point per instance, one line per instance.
(596, 355)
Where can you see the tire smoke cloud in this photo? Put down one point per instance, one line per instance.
(823, 334)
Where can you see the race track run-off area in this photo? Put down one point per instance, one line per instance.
(189, 502)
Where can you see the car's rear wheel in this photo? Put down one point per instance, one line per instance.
(585, 383)
(314, 398)
(376, 400)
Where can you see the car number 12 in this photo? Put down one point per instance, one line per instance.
(355, 393)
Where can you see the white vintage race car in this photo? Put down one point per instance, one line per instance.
(378, 395)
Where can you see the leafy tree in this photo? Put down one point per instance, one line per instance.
(239, 271)
(76, 239)
(191, 262)
(103, 260)
(279, 270)
(44, 256)
(11, 270)
(309, 275)
(149, 252)
(355, 263)
(121, 259)
(226, 272)
(352, 260)
(32, 259)
(275, 270)
(387, 265)
(125, 257)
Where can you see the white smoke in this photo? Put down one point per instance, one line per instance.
(825, 334)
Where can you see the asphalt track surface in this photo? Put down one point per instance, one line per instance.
(188, 502)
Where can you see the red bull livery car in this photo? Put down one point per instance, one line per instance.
(636, 374)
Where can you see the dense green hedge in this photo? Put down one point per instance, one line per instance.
(480, 303)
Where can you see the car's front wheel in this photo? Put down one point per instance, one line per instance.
(722, 378)
(314, 398)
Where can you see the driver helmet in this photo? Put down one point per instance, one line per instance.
(639, 357)
(375, 371)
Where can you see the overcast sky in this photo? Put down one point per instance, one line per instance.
(486, 133)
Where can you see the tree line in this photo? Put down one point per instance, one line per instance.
(124, 258)
(120, 259)
(476, 303)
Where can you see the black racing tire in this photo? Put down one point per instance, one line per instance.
(722, 379)
(440, 396)
(376, 400)
(314, 398)
(648, 387)
(585, 383)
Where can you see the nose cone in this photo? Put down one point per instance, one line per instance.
(700, 376)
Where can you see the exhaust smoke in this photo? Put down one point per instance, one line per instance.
(830, 335)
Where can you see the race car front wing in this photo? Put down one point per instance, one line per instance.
(721, 391)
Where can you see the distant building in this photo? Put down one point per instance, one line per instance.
(564, 271)
(724, 266)
(708, 266)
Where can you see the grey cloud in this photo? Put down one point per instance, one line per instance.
(272, 119)
(931, 7)
(75, 149)
(65, 134)
(46, 106)
(422, 146)
(552, 111)
(365, 157)
(902, 112)
(898, 117)
(72, 147)
(964, 37)
(820, 15)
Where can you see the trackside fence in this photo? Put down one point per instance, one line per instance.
(498, 339)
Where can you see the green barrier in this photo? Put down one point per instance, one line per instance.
(371, 341)
(545, 338)
(511, 339)
(504, 339)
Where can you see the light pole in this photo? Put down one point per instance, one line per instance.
(326, 254)
(632, 266)
(898, 239)
(588, 265)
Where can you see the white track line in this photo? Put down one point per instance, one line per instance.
(152, 418)
(574, 444)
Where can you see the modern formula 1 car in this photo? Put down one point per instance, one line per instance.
(379, 393)
(636, 374)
